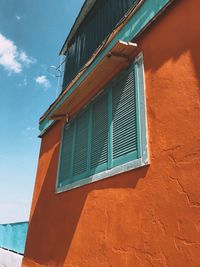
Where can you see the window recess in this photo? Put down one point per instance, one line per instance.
(109, 135)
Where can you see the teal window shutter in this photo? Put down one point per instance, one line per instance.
(124, 118)
(105, 137)
(65, 171)
(81, 146)
(99, 146)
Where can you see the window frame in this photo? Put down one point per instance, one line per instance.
(142, 135)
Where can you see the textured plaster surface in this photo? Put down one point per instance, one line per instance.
(145, 217)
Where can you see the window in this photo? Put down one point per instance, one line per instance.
(108, 136)
(86, 41)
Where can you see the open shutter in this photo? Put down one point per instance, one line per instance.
(105, 134)
(81, 146)
(66, 155)
(99, 146)
(124, 118)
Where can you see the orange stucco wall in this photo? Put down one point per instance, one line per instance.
(145, 217)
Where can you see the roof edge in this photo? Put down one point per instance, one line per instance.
(86, 7)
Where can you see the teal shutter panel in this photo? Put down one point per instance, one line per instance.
(103, 135)
(124, 118)
(81, 146)
(66, 154)
(99, 146)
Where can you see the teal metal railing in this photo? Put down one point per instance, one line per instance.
(13, 236)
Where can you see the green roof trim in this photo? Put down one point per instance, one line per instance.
(143, 16)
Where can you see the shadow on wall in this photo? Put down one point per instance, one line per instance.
(55, 217)
(175, 38)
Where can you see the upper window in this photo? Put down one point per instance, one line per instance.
(108, 136)
(97, 25)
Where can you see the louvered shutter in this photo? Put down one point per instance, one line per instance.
(65, 171)
(103, 135)
(124, 118)
(81, 146)
(99, 144)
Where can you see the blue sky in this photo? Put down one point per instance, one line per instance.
(31, 36)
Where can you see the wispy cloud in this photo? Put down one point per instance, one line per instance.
(25, 59)
(42, 80)
(11, 58)
(28, 129)
(24, 82)
(29, 132)
(18, 17)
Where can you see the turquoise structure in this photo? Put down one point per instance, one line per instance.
(13, 236)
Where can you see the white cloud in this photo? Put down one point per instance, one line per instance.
(42, 80)
(25, 59)
(8, 55)
(11, 58)
(25, 82)
(18, 17)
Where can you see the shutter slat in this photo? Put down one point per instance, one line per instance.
(124, 118)
(81, 144)
(66, 154)
(124, 115)
(99, 152)
(125, 127)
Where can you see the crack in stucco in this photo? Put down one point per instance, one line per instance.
(172, 158)
(140, 253)
(171, 149)
(158, 222)
(165, 259)
(162, 226)
(195, 155)
(187, 242)
(181, 190)
(126, 250)
(107, 223)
